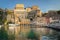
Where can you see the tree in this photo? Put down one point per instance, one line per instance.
(1, 16)
(5, 22)
(12, 37)
(3, 34)
(31, 35)
(58, 12)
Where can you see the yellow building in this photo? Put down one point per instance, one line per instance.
(28, 9)
(39, 13)
(19, 12)
(35, 7)
(10, 15)
(19, 6)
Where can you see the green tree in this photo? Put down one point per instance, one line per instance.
(32, 35)
(12, 37)
(3, 34)
(5, 22)
(1, 15)
(58, 11)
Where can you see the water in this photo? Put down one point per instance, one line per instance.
(51, 36)
(43, 33)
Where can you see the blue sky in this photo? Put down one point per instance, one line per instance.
(44, 5)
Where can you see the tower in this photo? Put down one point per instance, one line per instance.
(19, 12)
(35, 7)
(39, 13)
(19, 6)
(28, 9)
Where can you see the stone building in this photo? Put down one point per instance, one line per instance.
(53, 14)
(35, 7)
(43, 21)
(19, 6)
(39, 13)
(10, 16)
(20, 13)
(28, 9)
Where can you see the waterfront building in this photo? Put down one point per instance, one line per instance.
(35, 7)
(53, 14)
(10, 15)
(28, 9)
(39, 13)
(19, 6)
(20, 15)
(43, 21)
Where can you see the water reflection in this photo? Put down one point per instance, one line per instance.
(54, 35)
(43, 33)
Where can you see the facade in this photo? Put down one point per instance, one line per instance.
(20, 14)
(10, 16)
(42, 21)
(53, 14)
(19, 6)
(39, 13)
(28, 9)
(35, 7)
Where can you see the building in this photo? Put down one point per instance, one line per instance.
(35, 7)
(19, 6)
(39, 13)
(53, 14)
(28, 9)
(42, 21)
(20, 14)
(10, 15)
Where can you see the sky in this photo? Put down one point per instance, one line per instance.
(44, 5)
